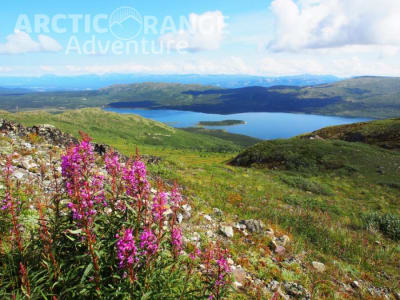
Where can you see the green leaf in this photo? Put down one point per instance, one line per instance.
(77, 231)
(87, 270)
(146, 296)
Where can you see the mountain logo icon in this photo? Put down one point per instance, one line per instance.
(125, 23)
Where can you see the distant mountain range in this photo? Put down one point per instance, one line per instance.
(374, 97)
(92, 82)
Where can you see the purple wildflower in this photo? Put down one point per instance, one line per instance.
(126, 249)
(176, 239)
(159, 206)
(83, 186)
(148, 242)
(135, 179)
(113, 165)
(175, 197)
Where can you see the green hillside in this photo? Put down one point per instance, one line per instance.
(382, 133)
(128, 131)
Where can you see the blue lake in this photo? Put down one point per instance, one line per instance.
(260, 125)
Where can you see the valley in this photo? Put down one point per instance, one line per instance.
(367, 97)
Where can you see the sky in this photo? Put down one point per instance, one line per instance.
(258, 37)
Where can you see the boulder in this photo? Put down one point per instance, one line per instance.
(227, 231)
(282, 240)
(253, 226)
(319, 267)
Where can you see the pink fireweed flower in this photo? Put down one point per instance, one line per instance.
(6, 202)
(159, 206)
(148, 243)
(112, 163)
(126, 249)
(84, 187)
(135, 179)
(98, 189)
(222, 261)
(175, 197)
(176, 239)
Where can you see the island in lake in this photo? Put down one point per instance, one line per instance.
(221, 123)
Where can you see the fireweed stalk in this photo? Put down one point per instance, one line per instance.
(45, 236)
(175, 202)
(87, 197)
(217, 269)
(11, 205)
(137, 188)
(113, 167)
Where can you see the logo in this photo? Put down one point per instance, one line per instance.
(125, 23)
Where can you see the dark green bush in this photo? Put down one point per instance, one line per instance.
(388, 224)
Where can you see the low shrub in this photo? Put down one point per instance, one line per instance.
(387, 224)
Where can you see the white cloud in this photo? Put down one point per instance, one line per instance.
(20, 42)
(318, 24)
(206, 32)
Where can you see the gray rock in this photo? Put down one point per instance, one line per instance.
(319, 267)
(179, 218)
(282, 240)
(253, 226)
(239, 275)
(208, 218)
(226, 231)
(28, 164)
(273, 286)
(195, 237)
(187, 211)
(296, 290)
(355, 285)
(19, 175)
(270, 232)
(217, 212)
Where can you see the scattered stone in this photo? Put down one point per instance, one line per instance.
(319, 267)
(240, 227)
(187, 211)
(296, 290)
(253, 226)
(19, 175)
(179, 218)
(270, 232)
(208, 218)
(237, 285)
(239, 275)
(195, 237)
(282, 240)
(210, 234)
(217, 212)
(226, 231)
(273, 286)
(355, 285)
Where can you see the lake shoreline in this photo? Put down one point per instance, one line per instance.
(261, 125)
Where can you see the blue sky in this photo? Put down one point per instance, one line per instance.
(259, 37)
